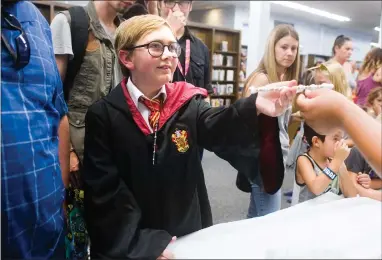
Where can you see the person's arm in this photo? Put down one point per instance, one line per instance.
(316, 184)
(152, 7)
(376, 184)
(207, 80)
(347, 184)
(259, 81)
(369, 193)
(63, 149)
(62, 64)
(368, 139)
(112, 214)
(62, 42)
(325, 110)
(232, 132)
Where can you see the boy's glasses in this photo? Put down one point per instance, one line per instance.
(182, 4)
(21, 55)
(156, 49)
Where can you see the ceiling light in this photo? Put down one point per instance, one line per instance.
(312, 10)
(375, 44)
(377, 29)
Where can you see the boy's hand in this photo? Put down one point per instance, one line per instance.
(364, 180)
(341, 151)
(167, 254)
(274, 103)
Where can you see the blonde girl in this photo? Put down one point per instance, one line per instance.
(279, 63)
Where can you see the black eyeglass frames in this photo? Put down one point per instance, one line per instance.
(182, 4)
(156, 49)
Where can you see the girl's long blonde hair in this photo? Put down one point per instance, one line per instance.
(268, 63)
(336, 74)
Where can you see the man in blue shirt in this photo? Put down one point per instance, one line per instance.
(33, 116)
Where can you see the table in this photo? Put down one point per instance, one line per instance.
(328, 226)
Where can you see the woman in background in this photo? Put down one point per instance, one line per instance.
(342, 50)
(279, 63)
(369, 75)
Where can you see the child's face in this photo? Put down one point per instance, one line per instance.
(154, 71)
(320, 77)
(329, 143)
(377, 105)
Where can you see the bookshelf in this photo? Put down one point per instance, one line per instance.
(313, 58)
(225, 49)
(50, 8)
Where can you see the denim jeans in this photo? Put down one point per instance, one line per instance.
(262, 203)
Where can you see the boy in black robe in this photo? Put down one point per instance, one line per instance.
(143, 177)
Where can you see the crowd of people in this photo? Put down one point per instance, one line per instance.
(105, 114)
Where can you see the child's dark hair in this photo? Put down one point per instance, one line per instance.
(309, 133)
(374, 94)
(339, 41)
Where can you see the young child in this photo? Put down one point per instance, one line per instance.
(374, 102)
(143, 176)
(321, 169)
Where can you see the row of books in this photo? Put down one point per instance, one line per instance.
(223, 75)
(222, 60)
(219, 102)
(222, 89)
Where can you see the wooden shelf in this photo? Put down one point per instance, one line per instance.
(49, 9)
(223, 96)
(227, 52)
(225, 67)
(224, 82)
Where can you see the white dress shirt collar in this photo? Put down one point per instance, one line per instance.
(135, 93)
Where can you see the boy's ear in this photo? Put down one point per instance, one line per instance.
(315, 141)
(126, 59)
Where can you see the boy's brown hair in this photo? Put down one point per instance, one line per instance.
(131, 31)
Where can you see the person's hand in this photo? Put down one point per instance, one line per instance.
(364, 180)
(74, 162)
(176, 19)
(341, 151)
(152, 7)
(322, 109)
(296, 117)
(274, 103)
(167, 254)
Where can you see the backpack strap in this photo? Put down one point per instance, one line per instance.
(79, 28)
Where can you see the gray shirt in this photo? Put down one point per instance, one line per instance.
(305, 194)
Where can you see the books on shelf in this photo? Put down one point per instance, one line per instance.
(229, 61)
(218, 75)
(219, 102)
(217, 59)
(222, 89)
(230, 75)
(224, 46)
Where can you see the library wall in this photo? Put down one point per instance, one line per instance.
(314, 38)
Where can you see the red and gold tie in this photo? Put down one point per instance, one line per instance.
(154, 106)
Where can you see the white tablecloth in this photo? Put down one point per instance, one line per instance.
(326, 227)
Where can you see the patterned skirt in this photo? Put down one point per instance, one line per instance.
(77, 238)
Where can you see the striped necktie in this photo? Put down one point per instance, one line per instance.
(154, 106)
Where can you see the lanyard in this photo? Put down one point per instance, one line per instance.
(187, 60)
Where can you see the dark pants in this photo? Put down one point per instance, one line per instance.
(201, 153)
